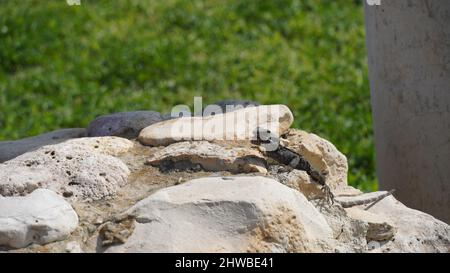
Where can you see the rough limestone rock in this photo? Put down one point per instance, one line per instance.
(416, 231)
(210, 157)
(380, 228)
(227, 214)
(81, 169)
(12, 149)
(322, 155)
(236, 125)
(349, 234)
(387, 226)
(111, 145)
(73, 247)
(40, 217)
(124, 124)
(300, 181)
(282, 211)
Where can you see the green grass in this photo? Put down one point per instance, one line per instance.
(61, 66)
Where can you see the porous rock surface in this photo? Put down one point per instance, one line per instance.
(81, 169)
(210, 157)
(199, 195)
(416, 230)
(226, 214)
(12, 149)
(40, 217)
(321, 154)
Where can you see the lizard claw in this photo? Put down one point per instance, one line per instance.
(329, 196)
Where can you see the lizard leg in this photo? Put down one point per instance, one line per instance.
(329, 196)
(294, 162)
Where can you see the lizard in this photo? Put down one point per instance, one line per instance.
(274, 149)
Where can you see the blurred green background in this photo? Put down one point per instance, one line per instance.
(61, 66)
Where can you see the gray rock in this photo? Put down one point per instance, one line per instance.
(227, 214)
(220, 107)
(167, 116)
(232, 105)
(124, 124)
(12, 149)
(80, 169)
(40, 217)
(235, 102)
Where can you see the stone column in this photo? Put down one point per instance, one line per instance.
(408, 44)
